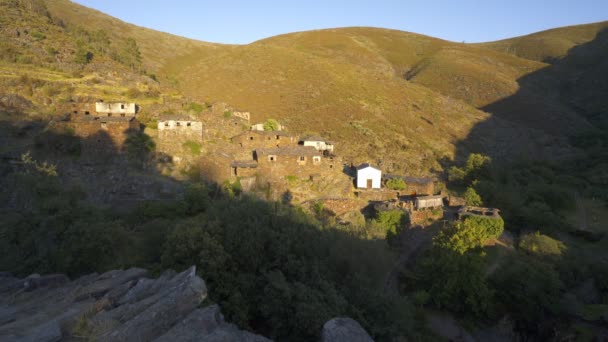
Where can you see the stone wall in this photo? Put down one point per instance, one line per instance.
(103, 136)
(291, 165)
(173, 134)
(251, 140)
(377, 194)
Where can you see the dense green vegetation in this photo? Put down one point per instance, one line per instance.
(270, 266)
(529, 283)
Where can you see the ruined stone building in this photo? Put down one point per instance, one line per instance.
(102, 134)
(178, 129)
(260, 127)
(296, 161)
(321, 144)
(251, 140)
(424, 202)
(117, 108)
(478, 211)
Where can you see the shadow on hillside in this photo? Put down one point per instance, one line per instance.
(552, 104)
(248, 251)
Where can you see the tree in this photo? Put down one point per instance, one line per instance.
(472, 197)
(396, 184)
(271, 125)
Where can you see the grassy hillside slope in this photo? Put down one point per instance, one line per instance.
(395, 93)
(550, 45)
(156, 47)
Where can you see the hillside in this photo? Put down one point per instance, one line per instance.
(156, 47)
(352, 85)
(413, 99)
(550, 45)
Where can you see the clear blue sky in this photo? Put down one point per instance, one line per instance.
(240, 21)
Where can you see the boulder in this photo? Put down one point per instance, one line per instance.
(344, 329)
(208, 325)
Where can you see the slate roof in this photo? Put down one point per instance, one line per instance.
(289, 151)
(244, 164)
(366, 165)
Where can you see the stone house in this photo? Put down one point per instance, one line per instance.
(117, 108)
(423, 202)
(100, 132)
(296, 161)
(368, 177)
(319, 143)
(251, 140)
(175, 132)
(244, 168)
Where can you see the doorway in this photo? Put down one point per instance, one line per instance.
(369, 183)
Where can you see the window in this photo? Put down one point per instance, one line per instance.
(104, 125)
(278, 137)
(316, 159)
(166, 124)
(109, 114)
(178, 124)
(250, 138)
(86, 113)
(75, 112)
(122, 106)
(272, 158)
(302, 158)
(188, 124)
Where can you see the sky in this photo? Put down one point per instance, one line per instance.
(242, 22)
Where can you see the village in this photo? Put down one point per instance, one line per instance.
(267, 160)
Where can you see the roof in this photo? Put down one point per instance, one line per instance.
(178, 117)
(316, 138)
(289, 151)
(365, 166)
(251, 164)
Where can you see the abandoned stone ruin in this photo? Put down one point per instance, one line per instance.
(102, 124)
(176, 130)
(478, 211)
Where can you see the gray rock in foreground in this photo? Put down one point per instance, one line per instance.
(119, 305)
(344, 329)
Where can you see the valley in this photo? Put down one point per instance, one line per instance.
(428, 189)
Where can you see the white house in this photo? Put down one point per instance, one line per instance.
(319, 143)
(368, 177)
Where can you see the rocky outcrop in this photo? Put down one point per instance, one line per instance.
(119, 305)
(344, 329)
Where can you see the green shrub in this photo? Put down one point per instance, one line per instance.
(271, 125)
(227, 114)
(195, 107)
(193, 147)
(472, 198)
(396, 184)
(38, 35)
(542, 245)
